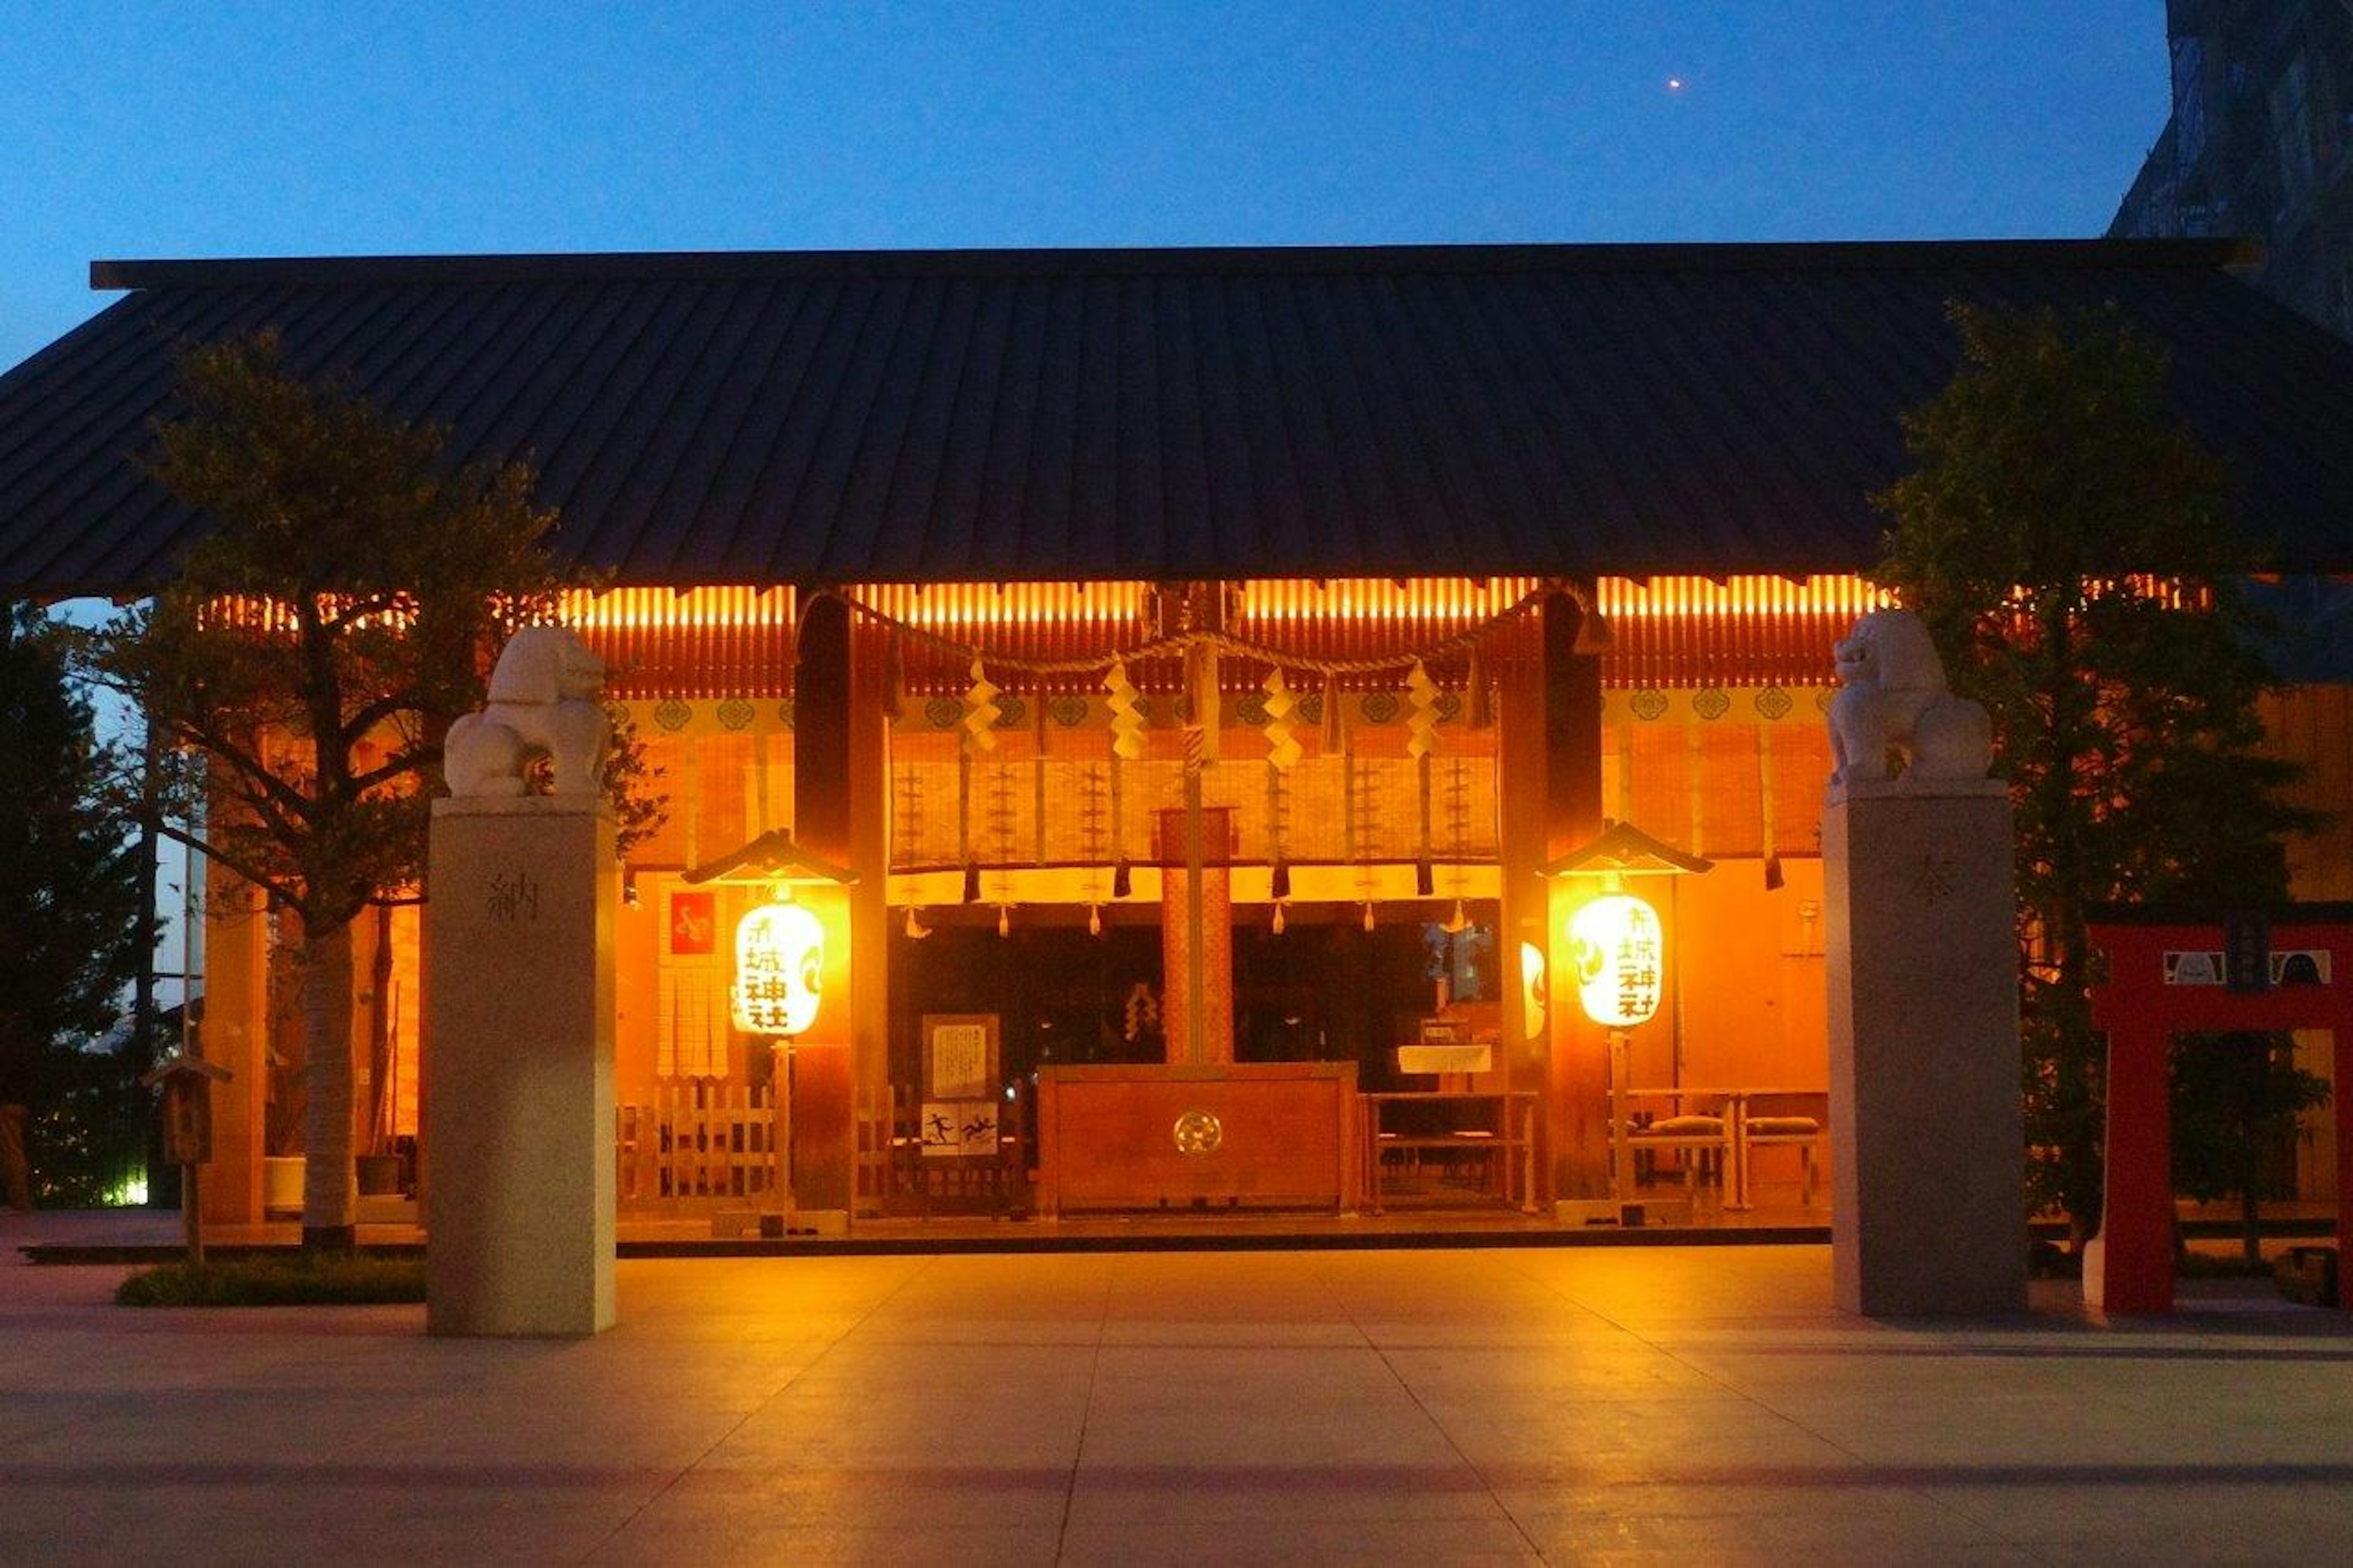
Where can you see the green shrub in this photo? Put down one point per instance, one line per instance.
(309, 1280)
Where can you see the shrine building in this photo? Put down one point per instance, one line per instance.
(1196, 691)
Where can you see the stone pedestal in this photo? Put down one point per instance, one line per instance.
(1928, 1150)
(518, 1015)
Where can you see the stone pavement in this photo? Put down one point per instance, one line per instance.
(1693, 1404)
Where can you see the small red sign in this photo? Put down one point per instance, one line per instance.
(693, 925)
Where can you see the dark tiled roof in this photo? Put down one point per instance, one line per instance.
(970, 415)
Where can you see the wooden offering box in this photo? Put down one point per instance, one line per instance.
(1145, 1136)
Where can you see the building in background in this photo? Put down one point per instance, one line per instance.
(2257, 146)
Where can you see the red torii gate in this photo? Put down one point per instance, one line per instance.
(2169, 972)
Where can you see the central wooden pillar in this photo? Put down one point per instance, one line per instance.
(1205, 906)
(1577, 1103)
(838, 802)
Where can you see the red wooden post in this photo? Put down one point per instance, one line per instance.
(2137, 1218)
(2342, 1080)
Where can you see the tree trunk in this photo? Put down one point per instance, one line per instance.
(329, 1201)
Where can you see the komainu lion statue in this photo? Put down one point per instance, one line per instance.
(1895, 720)
(543, 702)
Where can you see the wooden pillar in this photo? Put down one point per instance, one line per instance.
(1524, 918)
(868, 856)
(824, 1077)
(2130, 1265)
(1210, 910)
(235, 1035)
(1577, 1105)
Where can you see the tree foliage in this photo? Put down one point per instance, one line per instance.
(311, 655)
(69, 896)
(2072, 551)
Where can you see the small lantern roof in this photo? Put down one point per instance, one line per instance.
(1625, 850)
(770, 859)
(182, 1063)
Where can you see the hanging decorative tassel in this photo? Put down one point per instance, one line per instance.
(1126, 719)
(1283, 748)
(1764, 778)
(1593, 634)
(1478, 699)
(1333, 736)
(1126, 746)
(971, 882)
(1422, 713)
(1282, 752)
(980, 711)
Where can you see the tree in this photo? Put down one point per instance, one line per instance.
(2235, 1099)
(70, 883)
(309, 659)
(2071, 548)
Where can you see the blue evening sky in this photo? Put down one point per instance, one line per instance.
(189, 129)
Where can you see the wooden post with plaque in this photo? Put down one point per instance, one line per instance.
(187, 1084)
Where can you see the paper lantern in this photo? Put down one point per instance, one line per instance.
(779, 969)
(1532, 991)
(1619, 951)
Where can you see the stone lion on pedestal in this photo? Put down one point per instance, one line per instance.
(1894, 721)
(543, 701)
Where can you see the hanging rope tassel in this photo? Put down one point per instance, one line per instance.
(1126, 746)
(1421, 741)
(1282, 752)
(980, 715)
(981, 712)
(1764, 778)
(1335, 737)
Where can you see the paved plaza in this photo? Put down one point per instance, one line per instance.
(1695, 1404)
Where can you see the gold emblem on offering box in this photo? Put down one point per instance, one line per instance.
(1198, 1132)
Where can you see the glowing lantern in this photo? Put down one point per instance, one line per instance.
(1531, 990)
(1619, 951)
(779, 968)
